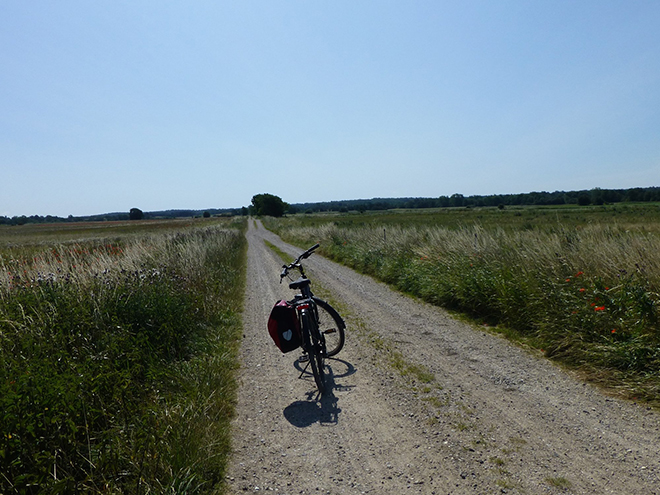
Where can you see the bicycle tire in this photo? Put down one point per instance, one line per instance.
(331, 326)
(314, 349)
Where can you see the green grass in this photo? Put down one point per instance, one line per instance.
(580, 284)
(283, 256)
(118, 358)
(644, 216)
(558, 482)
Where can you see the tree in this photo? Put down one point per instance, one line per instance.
(597, 196)
(268, 204)
(457, 200)
(135, 214)
(584, 200)
(206, 214)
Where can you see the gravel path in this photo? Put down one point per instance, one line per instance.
(496, 419)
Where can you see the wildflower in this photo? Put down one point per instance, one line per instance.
(579, 273)
(568, 279)
(614, 330)
(582, 289)
(599, 308)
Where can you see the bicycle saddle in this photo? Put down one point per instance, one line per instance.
(300, 283)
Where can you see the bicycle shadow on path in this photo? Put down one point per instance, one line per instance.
(324, 410)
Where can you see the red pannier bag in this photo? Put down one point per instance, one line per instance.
(283, 327)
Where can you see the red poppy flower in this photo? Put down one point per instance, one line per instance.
(579, 273)
(599, 308)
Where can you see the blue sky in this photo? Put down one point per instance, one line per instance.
(109, 105)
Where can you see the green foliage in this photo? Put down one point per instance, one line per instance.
(268, 204)
(135, 214)
(596, 196)
(584, 200)
(565, 281)
(121, 378)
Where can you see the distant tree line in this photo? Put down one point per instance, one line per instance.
(595, 196)
(272, 205)
(123, 216)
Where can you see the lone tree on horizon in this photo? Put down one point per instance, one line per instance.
(269, 204)
(135, 214)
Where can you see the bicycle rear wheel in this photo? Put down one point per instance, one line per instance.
(314, 349)
(331, 326)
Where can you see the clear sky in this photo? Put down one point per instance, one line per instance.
(107, 105)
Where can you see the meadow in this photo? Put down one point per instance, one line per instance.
(118, 344)
(578, 284)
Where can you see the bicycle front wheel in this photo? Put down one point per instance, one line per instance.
(314, 349)
(331, 326)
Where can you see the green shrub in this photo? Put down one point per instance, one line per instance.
(106, 359)
(586, 294)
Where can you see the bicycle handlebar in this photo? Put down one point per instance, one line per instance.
(308, 253)
(296, 264)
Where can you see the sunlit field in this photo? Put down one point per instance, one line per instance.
(44, 233)
(579, 284)
(118, 347)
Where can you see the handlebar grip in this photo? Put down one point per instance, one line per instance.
(307, 253)
(284, 271)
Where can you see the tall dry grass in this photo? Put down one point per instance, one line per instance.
(118, 360)
(585, 294)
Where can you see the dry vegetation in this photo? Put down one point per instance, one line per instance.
(580, 284)
(118, 347)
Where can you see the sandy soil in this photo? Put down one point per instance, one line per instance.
(497, 419)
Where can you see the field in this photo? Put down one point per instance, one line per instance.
(118, 340)
(118, 344)
(579, 284)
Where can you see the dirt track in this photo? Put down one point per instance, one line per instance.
(496, 420)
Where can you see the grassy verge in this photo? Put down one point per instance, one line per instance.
(283, 256)
(582, 290)
(118, 360)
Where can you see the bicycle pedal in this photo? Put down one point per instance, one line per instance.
(303, 359)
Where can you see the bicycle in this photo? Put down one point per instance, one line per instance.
(321, 326)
